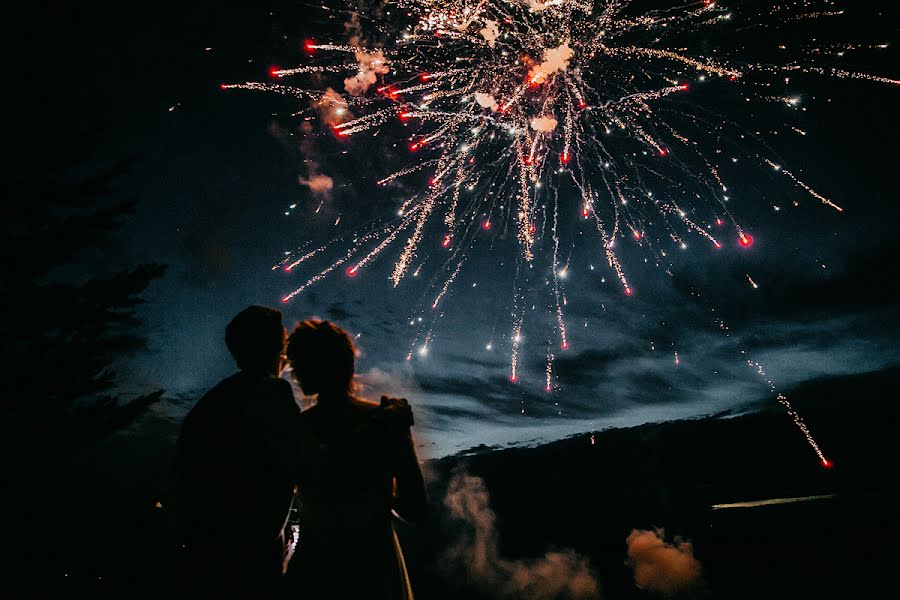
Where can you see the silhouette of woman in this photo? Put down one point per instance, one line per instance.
(359, 465)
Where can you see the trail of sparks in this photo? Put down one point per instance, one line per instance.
(811, 191)
(798, 420)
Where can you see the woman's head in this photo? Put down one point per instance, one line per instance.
(322, 357)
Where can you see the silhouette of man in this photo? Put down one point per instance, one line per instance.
(234, 462)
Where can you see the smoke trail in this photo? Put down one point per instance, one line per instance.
(557, 574)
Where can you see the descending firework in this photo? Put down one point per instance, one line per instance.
(798, 420)
(526, 112)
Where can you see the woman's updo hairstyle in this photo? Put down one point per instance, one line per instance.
(322, 356)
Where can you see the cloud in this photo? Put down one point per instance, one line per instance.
(659, 566)
(206, 245)
(589, 367)
(487, 395)
(557, 574)
(486, 101)
(371, 65)
(339, 312)
(545, 124)
(555, 59)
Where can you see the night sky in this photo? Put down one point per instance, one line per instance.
(215, 171)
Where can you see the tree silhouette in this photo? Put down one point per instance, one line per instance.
(65, 324)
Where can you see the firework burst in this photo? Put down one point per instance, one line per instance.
(524, 113)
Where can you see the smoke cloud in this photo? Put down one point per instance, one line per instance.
(536, 6)
(555, 59)
(490, 32)
(332, 107)
(353, 30)
(562, 574)
(371, 65)
(659, 566)
(546, 124)
(320, 185)
(486, 101)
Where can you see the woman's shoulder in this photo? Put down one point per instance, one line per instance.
(363, 406)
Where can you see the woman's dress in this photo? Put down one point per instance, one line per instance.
(351, 473)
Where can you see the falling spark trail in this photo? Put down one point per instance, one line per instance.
(798, 420)
(811, 191)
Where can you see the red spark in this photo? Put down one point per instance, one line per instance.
(582, 104)
(446, 241)
(719, 222)
(827, 463)
(663, 152)
(565, 345)
(513, 378)
(628, 291)
(486, 225)
(425, 76)
(274, 71)
(685, 87)
(565, 157)
(352, 271)
(309, 46)
(745, 240)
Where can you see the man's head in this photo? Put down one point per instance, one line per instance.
(255, 338)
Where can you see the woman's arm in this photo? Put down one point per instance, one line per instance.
(409, 485)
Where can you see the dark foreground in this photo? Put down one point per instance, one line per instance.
(105, 532)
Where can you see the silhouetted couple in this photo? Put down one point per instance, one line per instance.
(245, 447)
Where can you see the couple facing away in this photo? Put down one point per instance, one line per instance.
(246, 449)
